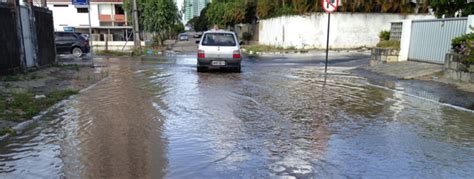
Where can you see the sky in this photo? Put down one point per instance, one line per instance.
(179, 3)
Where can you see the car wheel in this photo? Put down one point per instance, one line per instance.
(77, 52)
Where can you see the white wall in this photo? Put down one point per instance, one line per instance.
(470, 23)
(68, 17)
(348, 30)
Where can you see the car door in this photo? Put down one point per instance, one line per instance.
(59, 40)
(69, 41)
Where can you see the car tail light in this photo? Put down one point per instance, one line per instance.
(201, 54)
(236, 54)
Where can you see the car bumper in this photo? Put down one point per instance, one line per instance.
(229, 63)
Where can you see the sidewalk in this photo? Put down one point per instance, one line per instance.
(413, 71)
(406, 70)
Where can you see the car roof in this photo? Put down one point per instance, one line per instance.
(60, 32)
(219, 31)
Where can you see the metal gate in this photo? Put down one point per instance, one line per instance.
(27, 37)
(430, 40)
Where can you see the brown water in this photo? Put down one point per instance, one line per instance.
(159, 118)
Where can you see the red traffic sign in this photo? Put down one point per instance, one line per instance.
(330, 5)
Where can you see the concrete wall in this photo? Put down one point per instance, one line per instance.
(68, 16)
(470, 24)
(115, 45)
(456, 70)
(348, 30)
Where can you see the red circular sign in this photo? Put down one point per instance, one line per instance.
(330, 5)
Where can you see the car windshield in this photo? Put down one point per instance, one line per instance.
(219, 39)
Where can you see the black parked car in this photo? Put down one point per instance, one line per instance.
(71, 43)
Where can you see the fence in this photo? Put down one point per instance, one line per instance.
(10, 45)
(45, 36)
(430, 40)
(26, 41)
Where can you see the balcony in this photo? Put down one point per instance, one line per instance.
(119, 18)
(105, 18)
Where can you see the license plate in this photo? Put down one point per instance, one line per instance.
(218, 63)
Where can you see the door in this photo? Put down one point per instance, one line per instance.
(60, 43)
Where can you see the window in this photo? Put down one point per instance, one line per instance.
(82, 10)
(60, 5)
(61, 36)
(219, 39)
(118, 9)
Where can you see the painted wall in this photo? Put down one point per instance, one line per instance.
(68, 16)
(348, 30)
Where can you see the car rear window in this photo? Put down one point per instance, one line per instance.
(219, 39)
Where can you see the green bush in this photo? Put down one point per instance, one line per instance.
(384, 35)
(464, 45)
(391, 44)
(247, 36)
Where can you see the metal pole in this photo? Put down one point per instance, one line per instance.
(136, 31)
(327, 45)
(90, 28)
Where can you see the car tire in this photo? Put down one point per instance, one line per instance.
(77, 52)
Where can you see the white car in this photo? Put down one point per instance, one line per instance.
(218, 49)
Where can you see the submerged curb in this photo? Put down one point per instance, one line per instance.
(20, 127)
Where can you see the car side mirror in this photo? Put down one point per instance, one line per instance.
(197, 41)
(241, 43)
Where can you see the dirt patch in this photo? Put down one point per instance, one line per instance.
(26, 95)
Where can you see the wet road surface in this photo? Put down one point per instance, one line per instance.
(155, 118)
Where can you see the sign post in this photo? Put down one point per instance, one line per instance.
(329, 6)
(88, 4)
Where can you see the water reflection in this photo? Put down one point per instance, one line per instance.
(158, 118)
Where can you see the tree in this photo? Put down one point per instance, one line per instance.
(200, 23)
(450, 7)
(157, 16)
(226, 13)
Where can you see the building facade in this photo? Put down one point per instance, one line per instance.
(108, 19)
(193, 8)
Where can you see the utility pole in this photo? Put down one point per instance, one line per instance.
(90, 28)
(136, 31)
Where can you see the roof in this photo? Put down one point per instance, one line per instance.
(218, 31)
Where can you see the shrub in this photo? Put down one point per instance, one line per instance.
(464, 45)
(384, 35)
(391, 44)
(247, 36)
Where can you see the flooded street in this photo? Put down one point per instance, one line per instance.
(159, 118)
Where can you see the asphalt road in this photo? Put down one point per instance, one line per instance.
(281, 117)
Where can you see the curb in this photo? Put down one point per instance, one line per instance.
(20, 127)
(302, 52)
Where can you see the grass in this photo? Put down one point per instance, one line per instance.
(389, 44)
(21, 106)
(7, 130)
(20, 77)
(72, 66)
(112, 53)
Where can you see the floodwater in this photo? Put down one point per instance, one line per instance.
(156, 118)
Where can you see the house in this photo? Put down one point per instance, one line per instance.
(107, 17)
